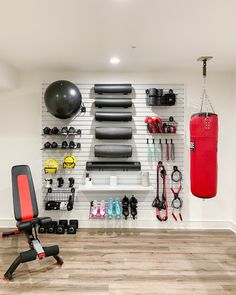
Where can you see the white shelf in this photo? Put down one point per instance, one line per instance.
(121, 187)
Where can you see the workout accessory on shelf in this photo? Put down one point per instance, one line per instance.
(203, 146)
(47, 145)
(112, 88)
(71, 229)
(55, 130)
(156, 97)
(172, 150)
(60, 199)
(167, 150)
(161, 149)
(52, 205)
(113, 133)
(102, 208)
(125, 207)
(47, 131)
(154, 125)
(42, 229)
(71, 181)
(149, 151)
(64, 130)
(177, 202)
(145, 178)
(74, 222)
(60, 229)
(64, 145)
(133, 206)
(54, 145)
(26, 215)
(113, 166)
(71, 130)
(60, 181)
(51, 228)
(161, 202)
(111, 102)
(70, 204)
(158, 125)
(95, 208)
(49, 183)
(113, 151)
(110, 208)
(113, 116)
(72, 145)
(63, 222)
(69, 162)
(117, 208)
(154, 150)
(51, 166)
(63, 99)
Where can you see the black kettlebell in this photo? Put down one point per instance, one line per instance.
(54, 145)
(54, 130)
(47, 145)
(46, 130)
(64, 145)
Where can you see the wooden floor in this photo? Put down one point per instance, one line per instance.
(177, 262)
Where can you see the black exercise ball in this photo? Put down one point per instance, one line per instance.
(63, 99)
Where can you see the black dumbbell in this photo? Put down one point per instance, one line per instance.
(74, 222)
(42, 229)
(60, 229)
(63, 222)
(71, 229)
(51, 229)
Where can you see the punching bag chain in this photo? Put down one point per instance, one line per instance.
(204, 96)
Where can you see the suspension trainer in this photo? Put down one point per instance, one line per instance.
(161, 203)
(176, 187)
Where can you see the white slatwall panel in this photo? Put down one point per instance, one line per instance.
(87, 124)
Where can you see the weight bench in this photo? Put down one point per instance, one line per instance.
(26, 215)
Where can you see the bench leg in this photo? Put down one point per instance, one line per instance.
(58, 259)
(12, 268)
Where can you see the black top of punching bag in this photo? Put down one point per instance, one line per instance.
(63, 99)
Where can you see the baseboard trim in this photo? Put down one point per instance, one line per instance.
(148, 224)
(233, 226)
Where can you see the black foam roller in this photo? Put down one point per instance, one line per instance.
(113, 166)
(113, 151)
(106, 102)
(112, 88)
(113, 133)
(113, 116)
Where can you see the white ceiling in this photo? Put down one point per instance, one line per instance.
(84, 34)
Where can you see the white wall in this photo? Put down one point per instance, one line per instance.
(20, 118)
(233, 112)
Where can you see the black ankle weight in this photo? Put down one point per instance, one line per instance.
(113, 133)
(106, 102)
(113, 151)
(113, 116)
(112, 88)
(113, 166)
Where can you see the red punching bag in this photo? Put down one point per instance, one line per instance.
(203, 149)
